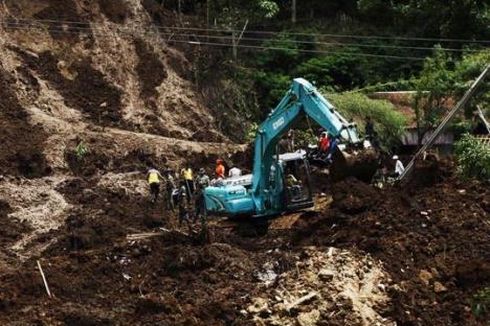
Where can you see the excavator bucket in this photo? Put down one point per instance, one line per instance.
(360, 163)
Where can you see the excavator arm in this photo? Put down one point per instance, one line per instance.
(301, 99)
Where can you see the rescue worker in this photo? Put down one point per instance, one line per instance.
(169, 189)
(291, 144)
(234, 172)
(187, 176)
(182, 202)
(399, 168)
(332, 148)
(369, 128)
(220, 169)
(324, 142)
(153, 176)
(202, 182)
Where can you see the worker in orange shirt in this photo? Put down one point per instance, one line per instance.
(220, 169)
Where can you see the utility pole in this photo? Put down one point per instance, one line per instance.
(293, 12)
(235, 40)
(466, 97)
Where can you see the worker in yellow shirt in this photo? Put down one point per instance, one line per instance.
(153, 177)
(188, 177)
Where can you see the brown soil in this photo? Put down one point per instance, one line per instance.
(441, 231)
(101, 101)
(117, 12)
(65, 11)
(10, 231)
(22, 143)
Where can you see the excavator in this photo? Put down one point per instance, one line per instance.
(282, 183)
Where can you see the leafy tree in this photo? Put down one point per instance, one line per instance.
(340, 71)
(473, 158)
(442, 80)
(389, 124)
(435, 88)
(234, 15)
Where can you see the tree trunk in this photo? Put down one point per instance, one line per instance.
(234, 42)
(293, 12)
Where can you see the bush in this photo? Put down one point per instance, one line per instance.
(388, 123)
(473, 158)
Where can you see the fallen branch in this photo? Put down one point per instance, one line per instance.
(44, 278)
(141, 236)
(302, 300)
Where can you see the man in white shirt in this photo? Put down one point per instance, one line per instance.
(399, 168)
(234, 172)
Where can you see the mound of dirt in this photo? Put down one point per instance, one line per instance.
(433, 242)
(352, 196)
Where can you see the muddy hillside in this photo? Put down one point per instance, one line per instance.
(92, 94)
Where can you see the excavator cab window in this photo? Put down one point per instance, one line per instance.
(298, 191)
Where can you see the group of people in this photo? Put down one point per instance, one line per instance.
(184, 189)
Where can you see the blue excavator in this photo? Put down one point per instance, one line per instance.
(282, 183)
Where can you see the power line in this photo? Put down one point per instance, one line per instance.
(61, 31)
(374, 46)
(382, 37)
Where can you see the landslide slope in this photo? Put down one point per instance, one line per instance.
(90, 68)
(97, 72)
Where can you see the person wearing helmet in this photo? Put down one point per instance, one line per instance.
(399, 168)
(220, 169)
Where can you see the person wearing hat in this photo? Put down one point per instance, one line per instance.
(399, 168)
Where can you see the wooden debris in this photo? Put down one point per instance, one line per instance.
(44, 278)
(302, 300)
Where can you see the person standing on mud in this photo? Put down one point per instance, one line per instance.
(202, 182)
(153, 176)
(399, 168)
(169, 189)
(188, 177)
(183, 203)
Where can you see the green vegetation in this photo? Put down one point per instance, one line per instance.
(473, 158)
(389, 124)
(429, 46)
(481, 302)
(81, 151)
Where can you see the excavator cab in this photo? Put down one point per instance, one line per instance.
(296, 179)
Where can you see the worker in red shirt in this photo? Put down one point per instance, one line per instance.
(324, 142)
(220, 169)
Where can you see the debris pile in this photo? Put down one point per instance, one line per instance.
(433, 242)
(325, 286)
